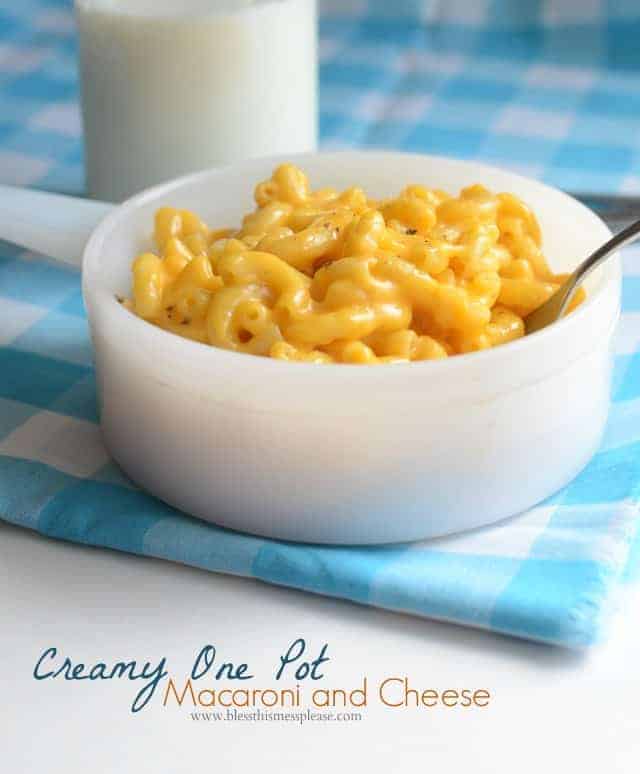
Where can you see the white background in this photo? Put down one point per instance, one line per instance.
(551, 710)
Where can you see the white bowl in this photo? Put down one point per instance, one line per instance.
(350, 454)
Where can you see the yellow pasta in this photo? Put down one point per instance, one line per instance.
(335, 277)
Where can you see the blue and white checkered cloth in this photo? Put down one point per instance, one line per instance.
(550, 90)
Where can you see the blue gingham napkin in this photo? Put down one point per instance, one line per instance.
(548, 88)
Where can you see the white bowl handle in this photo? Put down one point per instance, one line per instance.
(51, 224)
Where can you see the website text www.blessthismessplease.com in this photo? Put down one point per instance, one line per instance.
(271, 716)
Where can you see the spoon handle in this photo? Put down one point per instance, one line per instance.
(556, 306)
(624, 237)
(51, 224)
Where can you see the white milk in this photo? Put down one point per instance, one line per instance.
(173, 86)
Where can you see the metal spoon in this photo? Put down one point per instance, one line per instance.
(554, 307)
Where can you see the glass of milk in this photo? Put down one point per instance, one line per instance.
(173, 86)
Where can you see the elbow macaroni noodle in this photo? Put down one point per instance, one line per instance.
(323, 276)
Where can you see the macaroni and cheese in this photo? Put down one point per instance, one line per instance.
(326, 276)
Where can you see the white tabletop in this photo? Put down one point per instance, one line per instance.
(551, 708)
